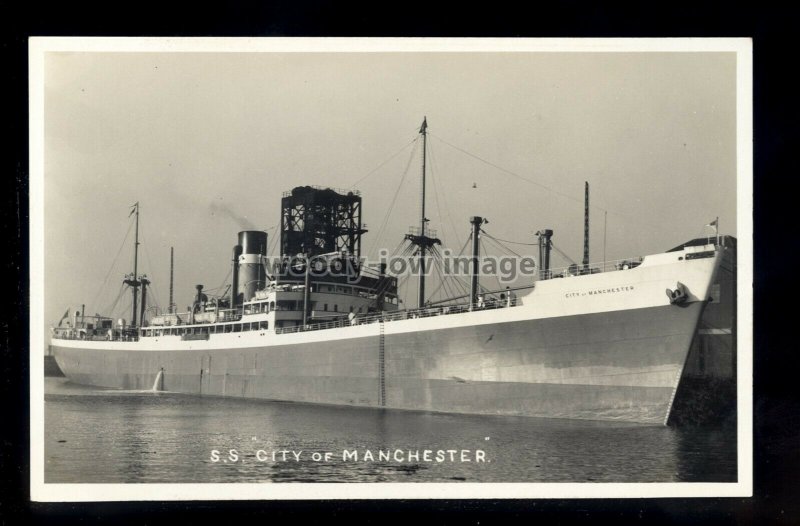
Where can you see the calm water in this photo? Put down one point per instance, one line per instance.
(97, 435)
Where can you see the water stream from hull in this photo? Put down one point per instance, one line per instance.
(157, 384)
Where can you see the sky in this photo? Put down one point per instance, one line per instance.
(208, 142)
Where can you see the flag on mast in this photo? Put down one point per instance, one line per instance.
(133, 208)
(715, 224)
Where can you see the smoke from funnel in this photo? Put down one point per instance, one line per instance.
(223, 209)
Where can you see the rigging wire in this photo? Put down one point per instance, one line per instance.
(467, 286)
(128, 307)
(154, 296)
(509, 172)
(399, 281)
(563, 255)
(497, 278)
(448, 288)
(458, 282)
(396, 248)
(512, 242)
(498, 244)
(401, 286)
(437, 253)
(637, 218)
(439, 273)
(455, 279)
(436, 182)
(274, 241)
(436, 199)
(224, 282)
(383, 163)
(394, 201)
(113, 264)
(464, 246)
(122, 289)
(437, 266)
(484, 250)
(435, 164)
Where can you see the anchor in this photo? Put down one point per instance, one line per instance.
(677, 296)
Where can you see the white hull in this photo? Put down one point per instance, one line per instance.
(599, 346)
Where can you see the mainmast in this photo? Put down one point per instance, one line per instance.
(423, 130)
(420, 238)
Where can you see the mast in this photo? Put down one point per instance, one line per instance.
(136, 264)
(544, 252)
(145, 282)
(306, 289)
(476, 222)
(421, 239)
(421, 296)
(171, 278)
(605, 227)
(133, 280)
(586, 229)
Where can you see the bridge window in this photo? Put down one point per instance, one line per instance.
(336, 308)
(264, 325)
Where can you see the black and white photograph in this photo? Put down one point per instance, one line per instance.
(416, 268)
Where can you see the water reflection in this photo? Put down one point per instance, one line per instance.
(108, 436)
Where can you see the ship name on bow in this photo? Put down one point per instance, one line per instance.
(596, 292)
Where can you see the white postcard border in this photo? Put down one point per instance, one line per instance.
(40, 491)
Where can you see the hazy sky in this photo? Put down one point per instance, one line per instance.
(208, 142)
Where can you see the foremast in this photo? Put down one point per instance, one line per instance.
(133, 280)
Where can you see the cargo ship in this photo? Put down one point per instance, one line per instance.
(604, 341)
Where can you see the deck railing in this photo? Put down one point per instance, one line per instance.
(341, 191)
(402, 315)
(578, 269)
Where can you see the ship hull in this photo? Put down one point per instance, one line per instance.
(620, 365)
(607, 346)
